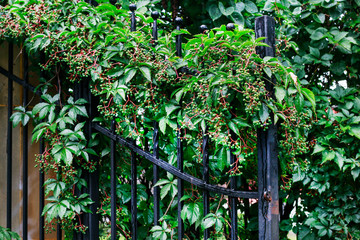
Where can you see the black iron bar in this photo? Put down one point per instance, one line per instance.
(180, 183)
(9, 138)
(93, 230)
(206, 203)
(133, 195)
(58, 232)
(155, 16)
(113, 183)
(18, 80)
(132, 8)
(180, 160)
(25, 152)
(173, 170)
(233, 200)
(156, 174)
(133, 201)
(41, 197)
(268, 205)
(41, 179)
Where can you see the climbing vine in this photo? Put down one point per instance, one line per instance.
(217, 88)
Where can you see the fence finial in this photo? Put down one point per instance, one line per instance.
(203, 28)
(178, 21)
(230, 27)
(132, 7)
(155, 15)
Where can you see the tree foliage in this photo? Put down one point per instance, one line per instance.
(217, 86)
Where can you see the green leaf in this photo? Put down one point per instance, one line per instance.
(191, 212)
(239, 7)
(234, 128)
(214, 12)
(146, 72)
(129, 74)
(280, 93)
(162, 125)
(318, 148)
(315, 52)
(339, 159)
(318, 34)
(238, 18)
(170, 108)
(222, 159)
(310, 96)
(208, 222)
(355, 131)
(355, 173)
(264, 113)
(327, 156)
(251, 7)
(320, 18)
(228, 11)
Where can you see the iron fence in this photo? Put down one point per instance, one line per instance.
(267, 194)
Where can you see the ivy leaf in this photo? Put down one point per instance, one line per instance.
(222, 158)
(355, 173)
(327, 156)
(264, 113)
(146, 72)
(238, 18)
(234, 128)
(355, 131)
(228, 11)
(209, 221)
(162, 125)
(214, 12)
(129, 74)
(310, 96)
(318, 148)
(320, 18)
(251, 7)
(280, 93)
(191, 212)
(170, 108)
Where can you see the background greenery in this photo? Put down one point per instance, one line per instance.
(317, 40)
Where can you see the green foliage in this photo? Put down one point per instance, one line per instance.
(317, 46)
(330, 191)
(6, 234)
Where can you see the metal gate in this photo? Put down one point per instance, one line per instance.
(267, 194)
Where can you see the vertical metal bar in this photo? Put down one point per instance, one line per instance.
(180, 161)
(132, 8)
(113, 183)
(25, 152)
(9, 138)
(41, 181)
(156, 175)
(233, 200)
(180, 165)
(77, 235)
(133, 195)
(269, 216)
(155, 16)
(206, 178)
(93, 231)
(58, 232)
(178, 23)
